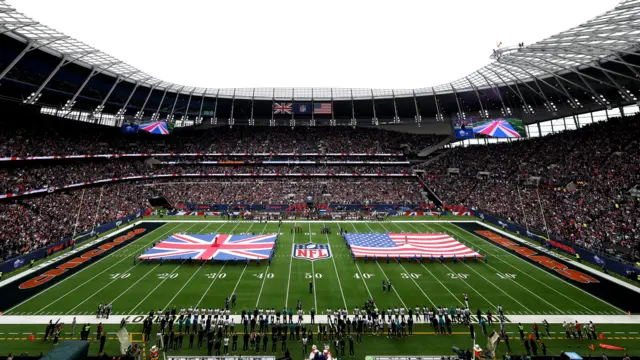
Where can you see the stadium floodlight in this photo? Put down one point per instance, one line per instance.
(32, 99)
(374, 121)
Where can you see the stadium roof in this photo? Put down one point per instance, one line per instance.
(604, 38)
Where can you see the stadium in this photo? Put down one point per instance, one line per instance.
(494, 216)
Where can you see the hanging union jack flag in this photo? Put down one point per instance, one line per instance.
(407, 245)
(498, 129)
(155, 127)
(282, 108)
(213, 247)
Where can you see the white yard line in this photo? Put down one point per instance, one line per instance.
(86, 282)
(525, 273)
(182, 288)
(435, 277)
(293, 245)
(360, 272)
(412, 279)
(393, 286)
(338, 276)
(154, 289)
(212, 281)
(239, 279)
(264, 276)
(494, 285)
(537, 268)
(313, 274)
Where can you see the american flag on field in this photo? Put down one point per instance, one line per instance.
(213, 247)
(322, 108)
(282, 108)
(407, 245)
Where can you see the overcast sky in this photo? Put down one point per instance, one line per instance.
(297, 43)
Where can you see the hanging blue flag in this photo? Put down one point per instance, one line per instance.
(129, 128)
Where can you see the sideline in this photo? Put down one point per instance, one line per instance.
(63, 256)
(565, 259)
(319, 319)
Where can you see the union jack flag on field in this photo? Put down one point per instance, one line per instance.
(155, 127)
(213, 247)
(282, 108)
(406, 245)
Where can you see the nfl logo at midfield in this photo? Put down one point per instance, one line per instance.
(311, 251)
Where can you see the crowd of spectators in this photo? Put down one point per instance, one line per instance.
(26, 176)
(582, 193)
(32, 222)
(41, 137)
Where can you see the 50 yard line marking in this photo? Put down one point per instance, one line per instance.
(313, 274)
(83, 269)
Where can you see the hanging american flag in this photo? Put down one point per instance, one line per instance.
(282, 108)
(213, 247)
(322, 108)
(407, 245)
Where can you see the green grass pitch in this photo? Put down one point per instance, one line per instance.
(520, 287)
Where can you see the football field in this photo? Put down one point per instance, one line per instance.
(506, 279)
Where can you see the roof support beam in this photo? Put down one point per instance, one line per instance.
(123, 109)
(354, 122)
(199, 118)
(461, 114)
(496, 91)
(253, 98)
(214, 119)
(185, 115)
(119, 79)
(418, 117)
(558, 78)
(140, 113)
(516, 93)
(156, 115)
(438, 113)
(233, 103)
(313, 116)
(173, 107)
(272, 122)
(538, 92)
(374, 120)
(396, 118)
(483, 114)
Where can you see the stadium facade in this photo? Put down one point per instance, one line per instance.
(591, 67)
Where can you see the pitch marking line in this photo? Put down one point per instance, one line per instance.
(385, 275)
(293, 246)
(525, 273)
(412, 279)
(530, 264)
(201, 231)
(154, 289)
(338, 276)
(264, 276)
(84, 283)
(435, 277)
(313, 275)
